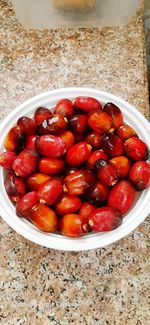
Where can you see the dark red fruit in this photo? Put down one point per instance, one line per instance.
(94, 156)
(79, 182)
(53, 125)
(100, 122)
(105, 219)
(122, 196)
(78, 123)
(30, 142)
(41, 114)
(86, 211)
(115, 112)
(72, 225)
(27, 125)
(50, 146)
(7, 158)
(25, 163)
(122, 164)
(64, 107)
(98, 194)
(35, 180)
(78, 154)
(25, 203)
(70, 170)
(106, 172)
(68, 137)
(87, 104)
(79, 138)
(94, 139)
(15, 139)
(140, 175)
(43, 217)
(126, 131)
(51, 166)
(14, 186)
(112, 145)
(136, 149)
(68, 204)
(49, 192)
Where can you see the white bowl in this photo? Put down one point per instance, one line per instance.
(93, 240)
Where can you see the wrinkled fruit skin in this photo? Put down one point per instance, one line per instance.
(30, 142)
(79, 182)
(41, 114)
(100, 122)
(78, 154)
(15, 139)
(122, 196)
(87, 104)
(105, 219)
(43, 217)
(126, 131)
(72, 225)
(53, 125)
(64, 107)
(14, 186)
(98, 194)
(107, 173)
(68, 137)
(115, 112)
(7, 158)
(27, 125)
(86, 211)
(25, 203)
(96, 155)
(68, 204)
(25, 163)
(50, 146)
(140, 175)
(122, 165)
(35, 180)
(112, 145)
(78, 123)
(136, 149)
(50, 191)
(51, 166)
(94, 139)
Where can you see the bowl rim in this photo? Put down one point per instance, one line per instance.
(57, 241)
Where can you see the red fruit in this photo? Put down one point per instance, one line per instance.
(41, 114)
(112, 145)
(25, 203)
(78, 123)
(122, 165)
(7, 158)
(136, 149)
(100, 122)
(14, 186)
(79, 182)
(53, 125)
(106, 172)
(126, 131)
(122, 196)
(30, 142)
(15, 139)
(27, 125)
(98, 194)
(140, 175)
(64, 107)
(68, 204)
(94, 139)
(70, 170)
(115, 112)
(51, 146)
(51, 166)
(25, 163)
(49, 192)
(72, 225)
(105, 219)
(86, 211)
(79, 138)
(68, 137)
(43, 218)
(94, 156)
(35, 180)
(87, 104)
(78, 154)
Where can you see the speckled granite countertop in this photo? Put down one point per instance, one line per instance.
(104, 286)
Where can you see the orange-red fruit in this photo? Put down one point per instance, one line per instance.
(112, 145)
(115, 112)
(136, 149)
(94, 139)
(43, 217)
(35, 180)
(87, 104)
(94, 156)
(78, 123)
(25, 163)
(64, 107)
(15, 139)
(105, 219)
(68, 204)
(68, 137)
(50, 146)
(140, 175)
(79, 182)
(122, 164)
(98, 194)
(106, 172)
(7, 158)
(100, 122)
(86, 211)
(25, 203)
(14, 186)
(72, 225)
(78, 154)
(51, 166)
(49, 192)
(122, 196)
(30, 142)
(126, 131)
(41, 114)
(52, 125)
(27, 125)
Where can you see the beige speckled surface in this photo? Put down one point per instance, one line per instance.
(99, 287)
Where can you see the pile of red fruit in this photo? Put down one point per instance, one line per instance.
(75, 170)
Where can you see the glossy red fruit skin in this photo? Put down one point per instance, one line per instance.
(115, 112)
(86, 211)
(50, 146)
(122, 196)
(126, 131)
(100, 122)
(72, 225)
(15, 139)
(30, 142)
(14, 186)
(25, 163)
(43, 217)
(25, 203)
(68, 204)
(68, 137)
(136, 149)
(35, 180)
(98, 194)
(78, 123)
(122, 164)
(112, 145)
(140, 175)
(41, 114)
(94, 156)
(64, 107)
(27, 125)
(7, 158)
(105, 219)
(87, 104)
(79, 182)
(49, 192)
(78, 154)
(51, 166)
(94, 139)
(107, 173)
(53, 125)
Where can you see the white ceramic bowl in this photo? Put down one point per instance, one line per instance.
(94, 240)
